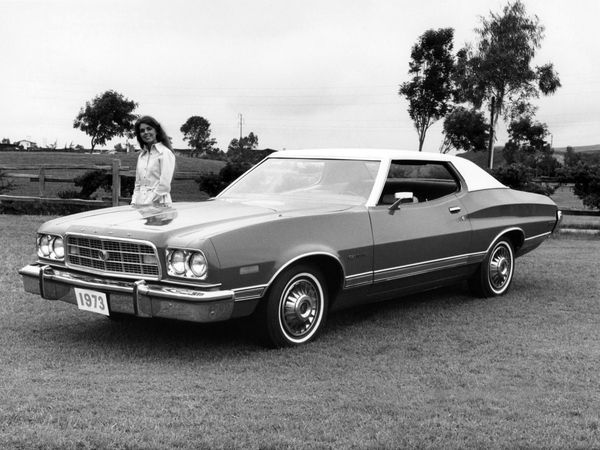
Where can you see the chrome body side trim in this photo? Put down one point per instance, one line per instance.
(393, 273)
(539, 236)
(359, 279)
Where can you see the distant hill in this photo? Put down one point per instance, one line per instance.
(580, 149)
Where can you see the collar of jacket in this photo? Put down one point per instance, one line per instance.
(158, 146)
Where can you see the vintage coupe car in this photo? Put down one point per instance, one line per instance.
(298, 235)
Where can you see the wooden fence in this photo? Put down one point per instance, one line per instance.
(42, 177)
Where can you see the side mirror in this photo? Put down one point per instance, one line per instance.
(401, 197)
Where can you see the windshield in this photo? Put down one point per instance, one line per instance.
(328, 179)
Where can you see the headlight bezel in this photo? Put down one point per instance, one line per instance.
(50, 246)
(182, 263)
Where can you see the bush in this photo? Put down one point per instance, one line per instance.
(5, 184)
(521, 177)
(93, 180)
(39, 208)
(213, 183)
(68, 193)
(587, 182)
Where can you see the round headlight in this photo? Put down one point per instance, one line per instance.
(178, 262)
(58, 248)
(198, 264)
(44, 245)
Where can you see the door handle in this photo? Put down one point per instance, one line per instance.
(454, 209)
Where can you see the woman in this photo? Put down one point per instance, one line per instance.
(155, 164)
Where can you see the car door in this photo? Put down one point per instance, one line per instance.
(424, 242)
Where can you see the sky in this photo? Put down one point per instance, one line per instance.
(297, 73)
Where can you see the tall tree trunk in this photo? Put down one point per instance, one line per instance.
(492, 126)
(422, 131)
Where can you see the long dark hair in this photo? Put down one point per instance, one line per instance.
(161, 135)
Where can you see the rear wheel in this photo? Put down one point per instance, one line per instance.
(496, 272)
(295, 308)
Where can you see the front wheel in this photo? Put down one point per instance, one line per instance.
(495, 274)
(295, 308)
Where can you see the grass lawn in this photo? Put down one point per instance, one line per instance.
(581, 222)
(438, 370)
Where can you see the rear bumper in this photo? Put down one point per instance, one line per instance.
(139, 298)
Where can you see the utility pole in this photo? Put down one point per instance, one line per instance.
(241, 122)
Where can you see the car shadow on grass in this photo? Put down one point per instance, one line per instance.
(435, 300)
(138, 336)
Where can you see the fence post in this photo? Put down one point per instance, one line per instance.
(42, 180)
(116, 181)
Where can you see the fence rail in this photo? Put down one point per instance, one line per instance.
(40, 176)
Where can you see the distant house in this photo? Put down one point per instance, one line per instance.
(25, 144)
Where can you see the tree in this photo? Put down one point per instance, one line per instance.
(529, 156)
(429, 91)
(571, 158)
(528, 146)
(196, 130)
(108, 115)
(464, 129)
(244, 150)
(498, 72)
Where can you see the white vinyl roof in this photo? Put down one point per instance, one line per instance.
(475, 177)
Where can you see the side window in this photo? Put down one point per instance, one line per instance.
(425, 180)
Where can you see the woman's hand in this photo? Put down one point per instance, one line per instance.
(157, 198)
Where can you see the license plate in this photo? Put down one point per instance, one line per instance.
(93, 301)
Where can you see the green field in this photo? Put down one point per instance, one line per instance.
(437, 370)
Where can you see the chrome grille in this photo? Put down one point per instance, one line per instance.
(112, 256)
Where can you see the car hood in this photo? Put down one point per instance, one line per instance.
(205, 218)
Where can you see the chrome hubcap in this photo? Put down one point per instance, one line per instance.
(500, 267)
(300, 307)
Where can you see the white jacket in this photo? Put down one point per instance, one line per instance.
(153, 176)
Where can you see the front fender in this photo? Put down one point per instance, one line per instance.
(255, 255)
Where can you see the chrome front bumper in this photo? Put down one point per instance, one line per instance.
(139, 298)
